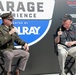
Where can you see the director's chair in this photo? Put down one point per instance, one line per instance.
(1, 63)
(69, 64)
(69, 60)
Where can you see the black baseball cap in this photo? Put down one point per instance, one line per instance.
(67, 17)
(6, 15)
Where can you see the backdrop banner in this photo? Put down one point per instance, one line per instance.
(36, 22)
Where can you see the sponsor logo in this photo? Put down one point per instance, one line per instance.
(32, 19)
(71, 3)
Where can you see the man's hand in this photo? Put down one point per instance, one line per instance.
(69, 44)
(26, 47)
(57, 39)
(60, 33)
(13, 30)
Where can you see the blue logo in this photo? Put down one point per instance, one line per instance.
(32, 18)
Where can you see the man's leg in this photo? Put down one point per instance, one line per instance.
(24, 58)
(8, 61)
(72, 52)
(62, 54)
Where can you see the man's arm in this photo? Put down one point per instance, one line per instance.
(4, 37)
(20, 42)
(57, 39)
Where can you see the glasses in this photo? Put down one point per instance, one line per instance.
(10, 20)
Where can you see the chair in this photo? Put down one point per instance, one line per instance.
(69, 64)
(2, 65)
(69, 60)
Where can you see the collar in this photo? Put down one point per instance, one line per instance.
(6, 26)
(71, 28)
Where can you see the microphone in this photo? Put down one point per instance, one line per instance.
(60, 29)
(10, 27)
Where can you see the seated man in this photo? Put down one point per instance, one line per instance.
(66, 41)
(8, 36)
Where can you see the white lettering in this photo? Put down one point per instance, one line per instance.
(26, 30)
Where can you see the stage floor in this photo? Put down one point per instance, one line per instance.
(53, 74)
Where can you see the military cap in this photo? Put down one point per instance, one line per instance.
(6, 15)
(67, 17)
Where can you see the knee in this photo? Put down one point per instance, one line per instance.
(10, 56)
(62, 53)
(26, 54)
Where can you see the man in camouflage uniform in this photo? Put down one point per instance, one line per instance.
(8, 36)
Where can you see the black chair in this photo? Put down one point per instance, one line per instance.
(69, 60)
(69, 64)
(2, 62)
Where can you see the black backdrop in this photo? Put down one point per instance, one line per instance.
(42, 57)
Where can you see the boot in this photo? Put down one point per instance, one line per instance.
(17, 72)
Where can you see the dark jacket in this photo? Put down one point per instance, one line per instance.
(68, 35)
(7, 40)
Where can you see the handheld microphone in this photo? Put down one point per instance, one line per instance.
(10, 27)
(60, 29)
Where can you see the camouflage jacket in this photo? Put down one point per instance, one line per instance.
(7, 40)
